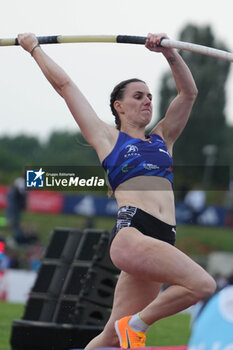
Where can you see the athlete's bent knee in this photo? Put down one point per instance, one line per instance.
(206, 287)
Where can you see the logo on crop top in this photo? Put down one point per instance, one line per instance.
(170, 169)
(149, 166)
(162, 150)
(132, 151)
(126, 167)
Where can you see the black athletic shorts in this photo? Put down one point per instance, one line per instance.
(147, 224)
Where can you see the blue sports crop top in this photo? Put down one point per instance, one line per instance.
(133, 157)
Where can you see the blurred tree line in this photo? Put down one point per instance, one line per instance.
(62, 148)
(207, 125)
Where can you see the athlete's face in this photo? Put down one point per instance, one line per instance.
(136, 106)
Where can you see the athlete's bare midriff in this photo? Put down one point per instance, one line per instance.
(150, 193)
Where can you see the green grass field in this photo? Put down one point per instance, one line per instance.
(170, 331)
(8, 312)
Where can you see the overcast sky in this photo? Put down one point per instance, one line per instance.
(29, 104)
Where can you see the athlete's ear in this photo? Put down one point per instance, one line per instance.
(118, 106)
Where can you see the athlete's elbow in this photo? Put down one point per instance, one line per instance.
(195, 92)
(192, 93)
(63, 86)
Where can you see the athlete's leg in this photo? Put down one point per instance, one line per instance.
(131, 295)
(159, 261)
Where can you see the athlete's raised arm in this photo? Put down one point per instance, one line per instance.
(95, 131)
(171, 126)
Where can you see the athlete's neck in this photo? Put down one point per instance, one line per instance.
(137, 134)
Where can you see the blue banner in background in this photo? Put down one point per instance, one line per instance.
(209, 216)
(97, 205)
(212, 216)
(90, 205)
